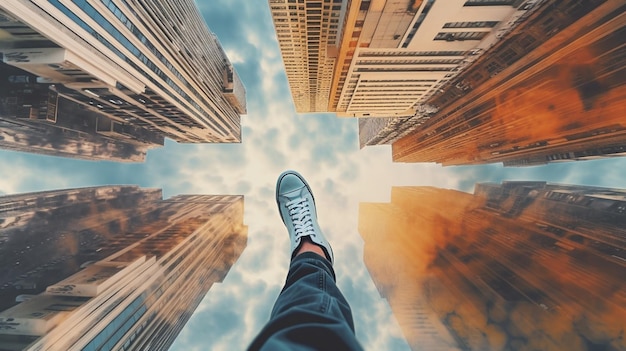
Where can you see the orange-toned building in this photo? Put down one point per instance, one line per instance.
(515, 266)
(110, 268)
(553, 90)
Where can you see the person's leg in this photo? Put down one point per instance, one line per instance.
(308, 246)
(310, 312)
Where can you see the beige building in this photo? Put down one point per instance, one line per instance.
(131, 267)
(388, 56)
(396, 54)
(308, 33)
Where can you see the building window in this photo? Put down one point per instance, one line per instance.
(61, 307)
(489, 2)
(527, 41)
(509, 56)
(460, 36)
(481, 24)
(493, 67)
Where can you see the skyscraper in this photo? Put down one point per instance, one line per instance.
(464, 81)
(395, 54)
(110, 267)
(384, 58)
(96, 77)
(516, 266)
(553, 90)
(308, 33)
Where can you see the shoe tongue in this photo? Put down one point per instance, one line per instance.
(293, 193)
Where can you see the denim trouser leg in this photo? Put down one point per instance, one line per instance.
(310, 312)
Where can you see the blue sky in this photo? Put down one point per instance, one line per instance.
(322, 147)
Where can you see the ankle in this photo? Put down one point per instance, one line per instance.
(308, 246)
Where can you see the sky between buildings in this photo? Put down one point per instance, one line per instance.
(320, 146)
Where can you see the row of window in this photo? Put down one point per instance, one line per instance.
(117, 12)
(411, 53)
(490, 2)
(408, 62)
(121, 324)
(418, 23)
(403, 69)
(383, 99)
(94, 14)
(478, 24)
(460, 36)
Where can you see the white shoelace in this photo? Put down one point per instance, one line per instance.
(301, 216)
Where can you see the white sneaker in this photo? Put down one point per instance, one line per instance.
(297, 209)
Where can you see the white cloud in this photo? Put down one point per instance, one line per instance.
(235, 56)
(323, 148)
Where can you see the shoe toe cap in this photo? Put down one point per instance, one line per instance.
(289, 183)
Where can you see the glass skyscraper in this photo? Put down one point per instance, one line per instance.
(131, 72)
(515, 266)
(110, 267)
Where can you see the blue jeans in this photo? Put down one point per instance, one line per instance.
(310, 312)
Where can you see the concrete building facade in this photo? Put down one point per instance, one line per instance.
(551, 91)
(396, 54)
(470, 82)
(308, 33)
(386, 58)
(110, 267)
(515, 266)
(149, 65)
